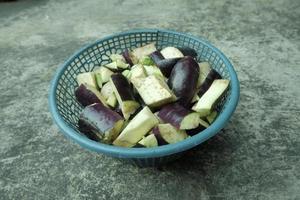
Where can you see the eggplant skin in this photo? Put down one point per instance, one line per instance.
(183, 80)
(167, 65)
(159, 138)
(173, 114)
(87, 130)
(195, 131)
(99, 117)
(156, 56)
(85, 96)
(212, 75)
(187, 51)
(127, 57)
(123, 87)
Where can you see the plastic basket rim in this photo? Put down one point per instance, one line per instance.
(160, 151)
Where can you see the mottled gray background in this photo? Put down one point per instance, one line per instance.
(255, 157)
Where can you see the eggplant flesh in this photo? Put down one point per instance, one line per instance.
(171, 52)
(183, 80)
(212, 75)
(149, 141)
(138, 127)
(87, 95)
(87, 78)
(146, 50)
(204, 68)
(106, 123)
(211, 96)
(168, 134)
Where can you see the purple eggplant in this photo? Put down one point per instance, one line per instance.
(183, 79)
(187, 51)
(87, 95)
(156, 56)
(168, 134)
(167, 65)
(202, 126)
(87, 130)
(212, 75)
(128, 57)
(105, 123)
(124, 93)
(179, 116)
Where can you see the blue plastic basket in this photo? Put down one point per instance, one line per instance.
(65, 109)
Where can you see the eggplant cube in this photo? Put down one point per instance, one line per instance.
(87, 95)
(87, 78)
(137, 128)
(106, 124)
(146, 50)
(168, 134)
(104, 73)
(211, 96)
(204, 70)
(155, 92)
(171, 52)
(149, 141)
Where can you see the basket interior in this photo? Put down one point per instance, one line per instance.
(98, 54)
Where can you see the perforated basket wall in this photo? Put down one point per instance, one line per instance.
(98, 54)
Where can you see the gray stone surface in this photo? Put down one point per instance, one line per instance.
(255, 157)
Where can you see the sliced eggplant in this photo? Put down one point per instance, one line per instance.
(104, 73)
(87, 78)
(167, 65)
(179, 117)
(168, 134)
(156, 56)
(146, 50)
(212, 116)
(171, 52)
(153, 70)
(138, 127)
(146, 60)
(113, 66)
(138, 72)
(149, 141)
(124, 94)
(202, 126)
(129, 57)
(87, 130)
(106, 123)
(187, 51)
(212, 75)
(204, 68)
(211, 96)
(195, 98)
(183, 80)
(98, 79)
(120, 61)
(154, 91)
(127, 74)
(107, 90)
(87, 95)
(112, 100)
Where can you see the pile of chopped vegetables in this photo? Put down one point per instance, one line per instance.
(145, 97)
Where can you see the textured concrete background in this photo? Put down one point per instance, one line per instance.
(255, 157)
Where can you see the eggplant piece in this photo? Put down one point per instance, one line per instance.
(146, 50)
(127, 74)
(167, 65)
(149, 141)
(212, 116)
(112, 100)
(187, 51)
(87, 78)
(129, 57)
(106, 123)
(124, 94)
(153, 70)
(146, 60)
(178, 116)
(168, 134)
(87, 95)
(212, 75)
(211, 96)
(171, 52)
(195, 98)
(120, 61)
(154, 91)
(138, 72)
(138, 127)
(156, 56)
(204, 68)
(202, 126)
(87, 130)
(183, 80)
(104, 73)
(107, 90)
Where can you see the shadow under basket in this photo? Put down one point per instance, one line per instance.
(65, 109)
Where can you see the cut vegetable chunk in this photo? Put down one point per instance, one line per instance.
(154, 91)
(138, 127)
(202, 125)
(124, 94)
(146, 50)
(129, 57)
(106, 123)
(153, 70)
(87, 95)
(87, 78)
(168, 134)
(112, 100)
(204, 70)
(104, 73)
(179, 117)
(156, 56)
(146, 60)
(207, 101)
(171, 52)
(113, 65)
(212, 116)
(212, 75)
(167, 65)
(183, 80)
(88, 130)
(149, 141)
(187, 51)
(107, 90)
